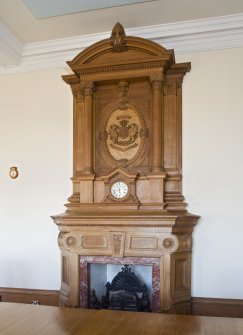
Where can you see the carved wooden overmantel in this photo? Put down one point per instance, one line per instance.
(127, 196)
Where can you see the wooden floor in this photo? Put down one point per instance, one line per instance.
(23, 319)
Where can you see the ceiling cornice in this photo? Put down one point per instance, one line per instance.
(10, 47)
(188, 36)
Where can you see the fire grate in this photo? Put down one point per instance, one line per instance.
(125, 292)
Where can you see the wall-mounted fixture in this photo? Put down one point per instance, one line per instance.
(13, 172)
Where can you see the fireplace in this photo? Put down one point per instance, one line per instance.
(127, 206)
(148, 274)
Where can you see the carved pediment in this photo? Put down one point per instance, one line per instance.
(120, 173)
(109, 51)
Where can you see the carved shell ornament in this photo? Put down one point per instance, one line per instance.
(118, 38)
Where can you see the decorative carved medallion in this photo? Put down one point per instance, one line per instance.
(124, 135)
(71, 241)
(168, 243)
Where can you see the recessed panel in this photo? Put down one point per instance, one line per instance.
(94, 242)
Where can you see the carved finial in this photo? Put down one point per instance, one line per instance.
(118, 38)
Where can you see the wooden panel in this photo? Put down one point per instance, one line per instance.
(144, 243)
(217, 307)
(180, 276)
(110, 104)
(86, 191)
(94, 242)
(170, 128)
(28, 296)
(65, 269)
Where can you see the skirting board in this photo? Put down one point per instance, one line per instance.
(28, 296)
(199, 306)
(217, 307)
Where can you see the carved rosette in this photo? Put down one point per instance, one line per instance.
(170, 243)
(71, 241)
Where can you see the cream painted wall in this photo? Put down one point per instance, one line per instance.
(213, 165)
(35, 135)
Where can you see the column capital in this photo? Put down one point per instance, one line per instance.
(77, 90)
(89, 88)
(156, 85)
(171, 88)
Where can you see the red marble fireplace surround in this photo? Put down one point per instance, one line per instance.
(84, 276)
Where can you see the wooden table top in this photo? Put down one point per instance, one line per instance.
(23, 319)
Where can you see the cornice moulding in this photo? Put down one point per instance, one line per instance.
(188, 36)
(10, 47)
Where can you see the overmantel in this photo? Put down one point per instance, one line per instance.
(127, 196)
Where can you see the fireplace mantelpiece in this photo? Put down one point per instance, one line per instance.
(127, 170)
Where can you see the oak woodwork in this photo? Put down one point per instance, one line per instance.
(46, 320)
(229, 308)
(29, 296)
(127, 114)
(157, 125)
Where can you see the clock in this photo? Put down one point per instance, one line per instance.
(119, 189)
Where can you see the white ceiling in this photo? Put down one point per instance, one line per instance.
(46, 8)
(19, 28)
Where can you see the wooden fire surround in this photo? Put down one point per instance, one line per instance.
(127, 165)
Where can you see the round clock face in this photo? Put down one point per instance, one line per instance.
(119, 189)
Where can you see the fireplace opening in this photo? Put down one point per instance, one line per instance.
(97, 271)
(125, 288)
